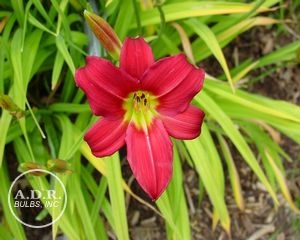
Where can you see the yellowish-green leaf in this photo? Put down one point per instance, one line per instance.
(186, 44)
(243, 26)
(63, 49)
(206, 171)
(211, 108)
(282, 183)
(233, 174)
(189, 9)
(163, 204)
(237, 98)
(4, 123)
(212, 43)
(116, 195)
(98, 163)
(15, 226)
(57, 68)
(39, 25)
(244, 72)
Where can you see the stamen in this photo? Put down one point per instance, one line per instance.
(140, 108)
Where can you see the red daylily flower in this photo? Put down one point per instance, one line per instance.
(142, 104)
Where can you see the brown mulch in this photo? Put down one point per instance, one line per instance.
(259, 221)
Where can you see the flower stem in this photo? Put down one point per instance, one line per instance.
(162, 21)
(137, 18)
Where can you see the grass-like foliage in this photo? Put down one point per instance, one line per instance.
(44, 115)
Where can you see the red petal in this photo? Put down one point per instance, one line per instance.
(178, 99)
(175, 82)
(106, 137)
(136, 57)
(150, 157)
(105, 86)
(185, 125)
